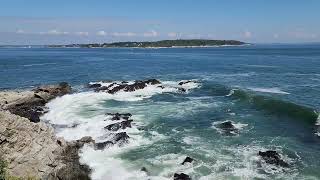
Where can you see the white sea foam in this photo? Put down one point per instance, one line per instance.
(38, 64)
(83, 114)
(274, 90)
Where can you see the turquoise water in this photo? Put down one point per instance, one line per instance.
(270, 92)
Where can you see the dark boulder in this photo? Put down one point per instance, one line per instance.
(124, 86)
(272, 157)
(144, 169)
(187, 160)
(95, 85)
(119, 125)
(227, 128)
(185, 82)
(121, 138)
(181, 176)
(182, 89)
(102, 145)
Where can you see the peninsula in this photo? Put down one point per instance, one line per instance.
(159, 44)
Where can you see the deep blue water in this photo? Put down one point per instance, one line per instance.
(274, 83)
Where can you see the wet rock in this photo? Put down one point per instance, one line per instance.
(144, 169)
(181, 176)
(182, 89)
(272, 157)
(185, 82)
(95, 85)
(121, 138)
(119, 125)
(118, 116)
(228, 128)
(124, 86)
(102, 145)
(187, 160)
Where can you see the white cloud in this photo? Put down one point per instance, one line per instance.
(125, 34)
(302, 34)
(276, 36)
(172, 34)
(151, 34)
(54, 32)
(20, 31)
(82, 33)
(247, 34)
(101, 33)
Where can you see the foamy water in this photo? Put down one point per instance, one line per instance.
(274, 90)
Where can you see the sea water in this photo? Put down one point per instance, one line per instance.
(269, 92)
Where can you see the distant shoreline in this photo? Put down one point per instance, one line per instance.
(180, 43)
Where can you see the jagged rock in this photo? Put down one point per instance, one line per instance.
(187, 160)
(31, 149)
(121, 138)
(181, 176)
(227, 127)
(119, 125)
(118, 139)
(95, 85)
(185, 82)
(118, 116)
(182, 89)
(102, 145)
(118, 86)
(272, 157)
(31, 105)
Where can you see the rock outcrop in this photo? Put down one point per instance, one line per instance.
(187, 160)
(227, 128)
(181, 176)
(31, 149)
(31, 105)
(272, 157)
(115, 87)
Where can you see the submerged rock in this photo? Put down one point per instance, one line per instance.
(272, 157)
(187, 160)
(181, 176)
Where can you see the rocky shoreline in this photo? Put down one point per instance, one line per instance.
(29, 147)
(32, 150)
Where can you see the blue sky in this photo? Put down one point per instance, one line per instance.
(88, 21)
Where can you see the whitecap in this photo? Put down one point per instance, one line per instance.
(274, 90)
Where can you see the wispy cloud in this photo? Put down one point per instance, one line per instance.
(173, 34)
(20, 31)
(80, 33)
(102, 33)
(151, 33)
(54, 32)
(247, 34)
(123, 34)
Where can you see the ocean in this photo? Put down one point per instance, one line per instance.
(269, 93)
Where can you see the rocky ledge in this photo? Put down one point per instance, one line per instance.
(29, 147)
